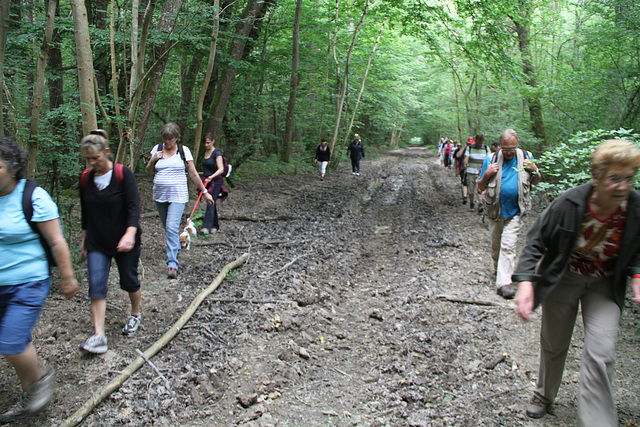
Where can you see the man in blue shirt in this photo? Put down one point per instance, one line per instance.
(516, 171)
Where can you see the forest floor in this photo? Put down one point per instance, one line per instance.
(366, 301)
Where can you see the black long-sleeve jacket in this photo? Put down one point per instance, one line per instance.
(552, 239)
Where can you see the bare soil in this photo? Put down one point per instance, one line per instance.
(366, 301)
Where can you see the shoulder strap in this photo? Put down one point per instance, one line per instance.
(118, 169)
(27, 204)
(181, 151)
(84, 178)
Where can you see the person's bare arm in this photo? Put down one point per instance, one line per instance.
(52, 232)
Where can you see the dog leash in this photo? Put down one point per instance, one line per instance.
(195, 206)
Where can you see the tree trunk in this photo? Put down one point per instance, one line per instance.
(84, 59)
(295, 80)
(4, 28)
(364, 80)
(523, 30)
(38, 90)
(152, 80)
(254, 10)
(207, 77)
(345, 80)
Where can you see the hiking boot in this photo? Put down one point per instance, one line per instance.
(133, 323)
(538, 407)
(41, 392)
(96, 344)
(472, 205)
(172, 273)
(464, 200)
(18, 411)
(506, 292)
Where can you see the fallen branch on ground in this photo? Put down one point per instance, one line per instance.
(86, 409)
(252, 301)
(155, 368)
(253, 245)
(468, 301)
(264, 218)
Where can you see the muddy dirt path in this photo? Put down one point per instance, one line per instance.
(368, 302)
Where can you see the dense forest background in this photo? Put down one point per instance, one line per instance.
(270, 78)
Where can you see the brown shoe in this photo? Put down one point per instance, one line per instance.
(506, 292)
(538, 407)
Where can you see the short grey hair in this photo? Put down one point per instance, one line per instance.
(170, 130)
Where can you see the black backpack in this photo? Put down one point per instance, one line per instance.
(27, 209)
(180, 151)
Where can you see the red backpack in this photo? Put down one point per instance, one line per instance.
(118, 169)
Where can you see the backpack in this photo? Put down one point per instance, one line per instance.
(226, 167)
(27, 210)
(118, 169)
(180, 151)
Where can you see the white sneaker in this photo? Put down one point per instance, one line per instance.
(133, 323)
(96, 344)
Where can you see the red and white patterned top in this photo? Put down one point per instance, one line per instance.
(598, 243)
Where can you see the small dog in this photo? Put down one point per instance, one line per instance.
(187, 234)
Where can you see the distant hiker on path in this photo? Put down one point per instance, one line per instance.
(507, 176)
(356, 152)
(323, 156)
(473, 161)
(579, 256)
(25, 276)
(170, 191)
(110, 207)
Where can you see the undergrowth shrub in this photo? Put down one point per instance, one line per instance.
(568, 164)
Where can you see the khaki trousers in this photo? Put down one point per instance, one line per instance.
(472, 183)
(601, 316)
(504, 237)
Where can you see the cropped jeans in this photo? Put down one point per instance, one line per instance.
(170, 217)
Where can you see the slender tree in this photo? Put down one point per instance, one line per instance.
(38, 90)
(295, 81)
(84, 60)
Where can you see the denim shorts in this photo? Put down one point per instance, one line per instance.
(99, 266)
(20, 307)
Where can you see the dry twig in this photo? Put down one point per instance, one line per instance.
(88, 406)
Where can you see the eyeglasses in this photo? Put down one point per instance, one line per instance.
(616, 179)
(509, 150)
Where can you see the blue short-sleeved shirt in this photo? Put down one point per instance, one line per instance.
(22, 258)
(509, 187)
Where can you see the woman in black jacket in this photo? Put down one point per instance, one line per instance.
(580, 253)
(110, 206)
(323, 156)
(356, 152)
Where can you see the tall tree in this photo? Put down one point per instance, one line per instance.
(295, 80)
(207, 76)
(38, 90)
(84, 60)
(345, 78)
(254, 11)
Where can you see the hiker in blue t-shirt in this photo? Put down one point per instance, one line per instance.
(507, 176)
